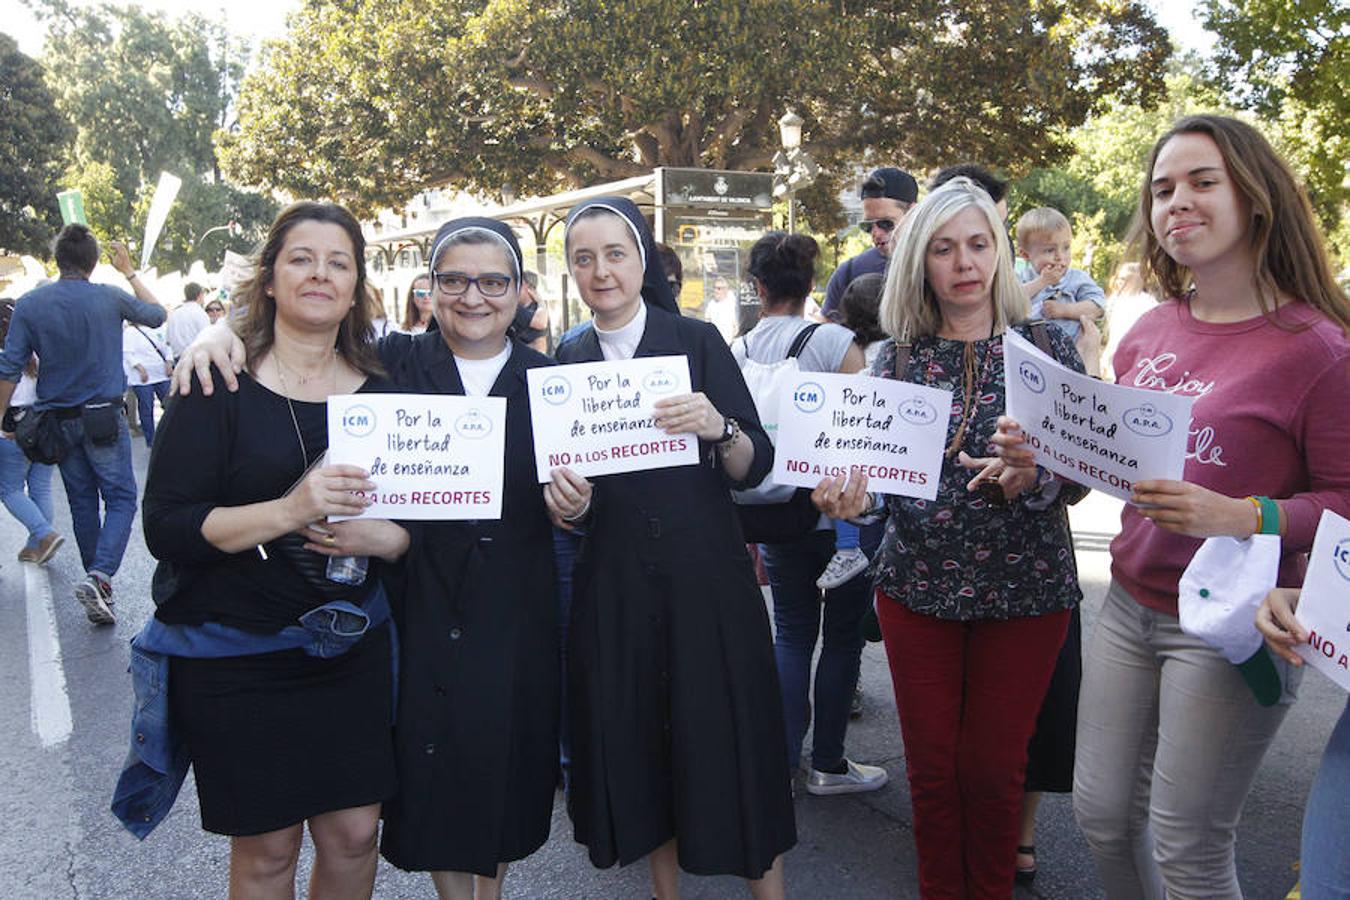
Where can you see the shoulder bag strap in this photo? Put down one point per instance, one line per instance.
(799, 342)
(152, 342)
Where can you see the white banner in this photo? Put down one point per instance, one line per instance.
(430, 456)
(1101, 435)
(1324, 607)
(891, 431)
(165, 193)
(596, 418)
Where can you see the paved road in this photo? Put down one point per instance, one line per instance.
(65, 697)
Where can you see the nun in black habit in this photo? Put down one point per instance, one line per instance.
(476, 734)
(677, 729)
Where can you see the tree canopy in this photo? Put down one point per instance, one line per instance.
(370, 101)
(33, 141)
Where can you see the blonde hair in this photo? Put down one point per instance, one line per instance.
(1043, 220)
(909, 308)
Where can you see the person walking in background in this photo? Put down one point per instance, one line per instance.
(1170, 736)
(75, 328)
(417, 308)
(887, 195)
(147, 364)
(25, 486)
(974, 589)
(187, 321)
(215, 311)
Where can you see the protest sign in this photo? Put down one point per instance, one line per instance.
(71, 204)
(1101, 435)
(1324, 607)
(891, 431)
(596, 418)
(430, 456)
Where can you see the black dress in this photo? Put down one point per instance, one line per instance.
(477, 727)
(677, 723)
(275, 738)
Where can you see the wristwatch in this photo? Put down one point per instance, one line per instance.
(731, 429)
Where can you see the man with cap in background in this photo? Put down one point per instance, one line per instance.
(887, 195)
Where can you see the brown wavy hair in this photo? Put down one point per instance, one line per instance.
(410, 312)
(1290, 254)
(355, 338)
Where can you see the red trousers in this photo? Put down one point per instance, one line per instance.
(968, 694)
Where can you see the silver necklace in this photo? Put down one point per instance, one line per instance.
(286, 392)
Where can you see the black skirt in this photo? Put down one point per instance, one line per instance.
(1051, 752)
(278, 737)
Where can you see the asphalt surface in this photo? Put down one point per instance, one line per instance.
(60, 841)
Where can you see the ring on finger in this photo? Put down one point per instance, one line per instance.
(330, 539)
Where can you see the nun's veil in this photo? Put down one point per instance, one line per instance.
(655, 289)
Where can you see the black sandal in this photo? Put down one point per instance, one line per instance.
(1025, 876)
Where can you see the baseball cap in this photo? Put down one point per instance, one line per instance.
(896, 184)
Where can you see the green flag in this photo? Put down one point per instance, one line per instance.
(72, 207)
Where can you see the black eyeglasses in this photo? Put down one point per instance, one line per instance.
(886, 225)
(493, 284)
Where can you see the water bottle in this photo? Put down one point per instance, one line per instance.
(347, 569)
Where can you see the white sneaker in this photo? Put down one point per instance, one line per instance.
(857, 780)
(843, 566)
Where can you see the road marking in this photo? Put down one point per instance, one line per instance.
(50, 703)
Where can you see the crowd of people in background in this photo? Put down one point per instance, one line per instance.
(609, 633)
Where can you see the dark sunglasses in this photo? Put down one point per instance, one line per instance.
(421, 292)
(493, 284)
(219, 309)
(886, 225)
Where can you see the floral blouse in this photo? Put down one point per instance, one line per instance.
(960, 557)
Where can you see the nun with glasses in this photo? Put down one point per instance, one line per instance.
(677, 727)
(476, 730)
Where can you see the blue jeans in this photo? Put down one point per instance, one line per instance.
(33, 508)
(92, 473)
(797, 603)
(145, 405)
(1326, 822)
(846, 535)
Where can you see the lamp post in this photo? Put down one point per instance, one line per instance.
(793, 167)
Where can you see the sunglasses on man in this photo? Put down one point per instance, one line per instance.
(886, 225)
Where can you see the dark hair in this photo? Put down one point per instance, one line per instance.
(786, 265)
(257, 330)
(76, 250)
(191, 291)
(995, 187)
(1283, 235)
(670, 261)
(859, 307)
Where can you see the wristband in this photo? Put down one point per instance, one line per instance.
(1269, 517)
(1260, 515)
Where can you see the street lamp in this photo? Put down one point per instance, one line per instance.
(233, 227)
(793, 167)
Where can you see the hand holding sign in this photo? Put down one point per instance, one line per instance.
(1324, 607)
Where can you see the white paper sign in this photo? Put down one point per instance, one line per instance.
(596, 418)
(430, 456)
(160, 204)
(891, 431)
(1324, 606)
(1101, 435)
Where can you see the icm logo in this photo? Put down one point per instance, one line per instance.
(659, 381)
(1341, 555)
(808, 396)
(918, 412)
(358, 421)
(473, 425)
(1032, 376)
(556, 390)
(1147, 420)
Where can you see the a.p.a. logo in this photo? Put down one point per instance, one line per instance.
(1147, 420)
(358, 420)
(659, 381)
(808, 396)
(473, 425)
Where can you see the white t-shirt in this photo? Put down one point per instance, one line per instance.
(770, 340)
(142, 347)
(479, 375)
(622, 343)
(184, 324)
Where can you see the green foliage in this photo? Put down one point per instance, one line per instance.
(32, 143)
(1289, 61)
(550, 94)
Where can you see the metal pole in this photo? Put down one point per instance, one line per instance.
(792, 212)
